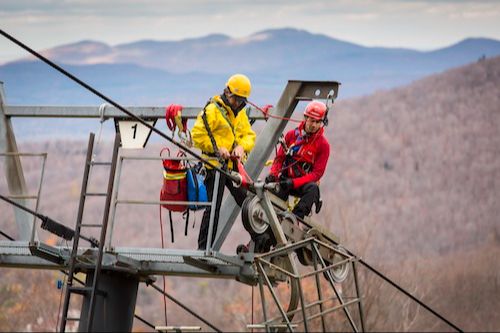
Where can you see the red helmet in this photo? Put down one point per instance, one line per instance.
(316, 110)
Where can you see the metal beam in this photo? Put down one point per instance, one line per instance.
(110, 111)
(294, 92)
(14, 171)
(151, 261)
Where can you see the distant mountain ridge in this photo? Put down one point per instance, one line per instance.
(255, 52)
(191, 70)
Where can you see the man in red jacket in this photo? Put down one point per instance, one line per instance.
(301, 161)
(298, 166)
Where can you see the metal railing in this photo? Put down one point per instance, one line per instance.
(36, 196)
(115, 201)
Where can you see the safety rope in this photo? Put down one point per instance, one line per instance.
(268, 115)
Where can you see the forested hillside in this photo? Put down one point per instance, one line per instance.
(412, 186)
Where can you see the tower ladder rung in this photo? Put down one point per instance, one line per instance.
(100, 163)
(95, 194)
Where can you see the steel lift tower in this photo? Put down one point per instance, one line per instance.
(113, 273)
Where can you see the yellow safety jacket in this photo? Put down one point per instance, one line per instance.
(228, 131)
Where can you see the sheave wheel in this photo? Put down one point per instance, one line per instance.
(254, 217)
(339, 273)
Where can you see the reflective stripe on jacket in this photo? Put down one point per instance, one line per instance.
(220, 118)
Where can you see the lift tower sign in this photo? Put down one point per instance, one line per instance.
(134, 135)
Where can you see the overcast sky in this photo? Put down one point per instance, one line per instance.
(416, 24)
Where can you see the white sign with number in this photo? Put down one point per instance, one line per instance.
(134, 135)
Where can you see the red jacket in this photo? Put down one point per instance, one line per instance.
(308, 163)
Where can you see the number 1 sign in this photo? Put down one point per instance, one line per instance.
(134, 135)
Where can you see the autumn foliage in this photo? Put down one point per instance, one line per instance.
(412, 187)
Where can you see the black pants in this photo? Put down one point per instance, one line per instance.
(308, 194)
(239, 194)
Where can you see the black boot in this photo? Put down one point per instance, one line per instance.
(264, 242)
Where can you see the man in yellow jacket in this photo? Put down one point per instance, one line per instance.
(222, 130)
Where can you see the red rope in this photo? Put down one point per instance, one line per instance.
(245, 178)
(164, 296)
(267, 115)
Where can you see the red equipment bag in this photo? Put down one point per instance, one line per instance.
(174, 182)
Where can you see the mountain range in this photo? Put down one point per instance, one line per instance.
(189, 71)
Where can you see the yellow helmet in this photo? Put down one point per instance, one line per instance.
(239, 85)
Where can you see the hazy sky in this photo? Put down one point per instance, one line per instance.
(417, 24)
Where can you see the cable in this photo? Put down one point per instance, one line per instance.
(406, 293)
(6, 236)
(116, 105)
(51, 225)
(395, 285)
(183, 306)
(145, 322)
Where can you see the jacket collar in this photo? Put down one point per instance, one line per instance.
(219, 100)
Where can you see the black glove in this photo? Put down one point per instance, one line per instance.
(270, 179)
(286, 184)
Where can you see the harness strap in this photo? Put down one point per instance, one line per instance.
(209, 131)
(295, 166)
(223, 111)
(171, 226)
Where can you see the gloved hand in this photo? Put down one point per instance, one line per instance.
(270, 179)
(286, 184)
